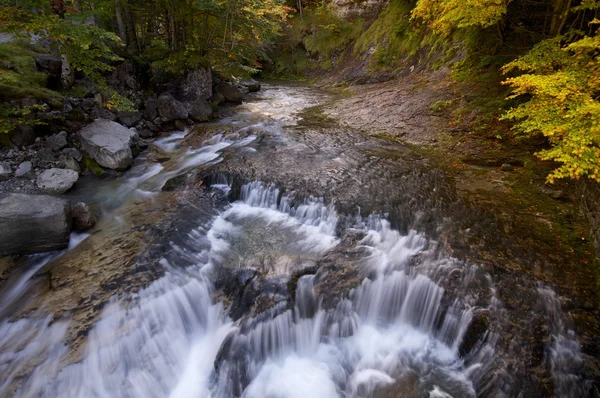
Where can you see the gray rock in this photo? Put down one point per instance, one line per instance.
(33, 223)
(150, 109)
(70, 163)
(229, 92)
(72, 152)
(22, 135)
(83, 218)
(46, 155)
(217, 99)
(87, 104)
(57, 141)
(67, 74)
(199, 110)
(28, 102)
(6, 38)
(197, 84)
(507, 167)
(243, 89)
(5, 171)
(252, 85)
(57, 181)
(152, 127)
(171, 109)
(179, 125)
(25, 170)
(108, 143)
(103, 113)
(129, 119)
(49, 64)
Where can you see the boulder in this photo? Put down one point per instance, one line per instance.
(70, 163)
(25, 170)
(171, 109)
(102, 113)
(230, 92)
(199, 110)
(252, 85)
(57, 181)
(33, 223)
(72, 152)
(179, 125)
(5, 171)
(108, 143)
(197, 85)
(217, 99)
(150, 108)
(22, 135)
(57, 141)
(129, 119)
(83, 218)
(49, 64)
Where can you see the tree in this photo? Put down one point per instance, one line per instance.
(443, 16)
(562, 86)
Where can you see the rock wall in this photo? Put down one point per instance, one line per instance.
(349, 9)
(590, 205)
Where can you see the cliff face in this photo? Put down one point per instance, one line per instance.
(590, 205)
(351, 9)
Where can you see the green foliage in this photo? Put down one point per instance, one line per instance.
(12, 116)
(440, 105)
(179, 62)
(444, 16)
(392, 35)
(561, 84)
(88, 48)
(328, 32)
(18, 75)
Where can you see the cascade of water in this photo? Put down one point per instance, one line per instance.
(18, 287)
(564, 353)
(171, 339)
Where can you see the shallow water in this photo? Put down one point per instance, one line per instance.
(239, 308)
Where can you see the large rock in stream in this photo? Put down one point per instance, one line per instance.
(108, 143)
(33, 223)
(230, 92)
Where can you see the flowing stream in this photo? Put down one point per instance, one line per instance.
(243, 306)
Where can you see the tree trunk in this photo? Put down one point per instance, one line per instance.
(120, 24)
(560, 13)
(131, 28)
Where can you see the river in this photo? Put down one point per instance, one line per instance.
(275, 254)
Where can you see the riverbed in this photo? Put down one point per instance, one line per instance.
(280, 253)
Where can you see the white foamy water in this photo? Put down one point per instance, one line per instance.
(166, 341)
(19, 284)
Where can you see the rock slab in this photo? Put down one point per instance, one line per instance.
(57, 181)
(33, 223)
(108, 143)
(230, 92)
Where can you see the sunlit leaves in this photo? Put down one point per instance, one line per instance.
(444, 16)
(562, 84)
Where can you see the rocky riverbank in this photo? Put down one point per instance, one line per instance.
(86, 135)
